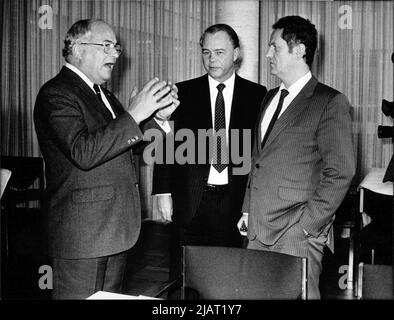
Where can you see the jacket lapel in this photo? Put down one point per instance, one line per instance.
(86, 92)
(299, 103)
(266, 101)
(113, 101)
(203, 106)
(235, 111)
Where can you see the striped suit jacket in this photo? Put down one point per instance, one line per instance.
(302, 174)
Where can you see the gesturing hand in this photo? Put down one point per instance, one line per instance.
(153, 96)
(164, 113)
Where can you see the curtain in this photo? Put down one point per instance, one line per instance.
(159, 38)
(356, 40)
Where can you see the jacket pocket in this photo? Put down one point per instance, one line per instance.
(100, 193)
(295, 194)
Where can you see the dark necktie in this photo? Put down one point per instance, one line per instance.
(97, 90)
(220, 123)
(98, 94)
(283, 95)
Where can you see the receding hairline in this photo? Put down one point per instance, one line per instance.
(99, 23)
(216, 32)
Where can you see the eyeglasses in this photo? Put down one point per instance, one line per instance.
(108, 46)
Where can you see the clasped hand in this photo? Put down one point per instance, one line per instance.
(156, 97)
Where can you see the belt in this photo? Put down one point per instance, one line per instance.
(216, 187)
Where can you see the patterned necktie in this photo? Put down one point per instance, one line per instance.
(220, 123)
(283, 95)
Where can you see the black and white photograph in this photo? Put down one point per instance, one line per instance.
(197, 155)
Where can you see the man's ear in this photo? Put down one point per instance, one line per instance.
(236, 54)
(300, 50)
(77, 51)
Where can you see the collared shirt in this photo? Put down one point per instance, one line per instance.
(214, 176)
(294, 90)
(91, 84)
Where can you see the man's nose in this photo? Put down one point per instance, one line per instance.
(114, 53)
(269, 53)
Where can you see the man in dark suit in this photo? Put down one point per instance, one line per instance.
(204, 198)
(92, 205)
(303, 162)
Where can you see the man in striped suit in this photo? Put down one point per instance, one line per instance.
(303, 159)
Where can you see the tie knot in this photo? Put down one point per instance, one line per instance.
(96, 88)
(283, 93)
(221, 86)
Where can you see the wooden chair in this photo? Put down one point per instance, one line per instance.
(26, 185)
(235, 273)
(5, 176)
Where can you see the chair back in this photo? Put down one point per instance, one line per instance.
(375, 282)
(27, 180)
(5, 176)
(237, 273)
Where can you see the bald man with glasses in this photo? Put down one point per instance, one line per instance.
(87, 139)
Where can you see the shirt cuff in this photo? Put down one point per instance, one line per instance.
(164, 125)
(162, 194)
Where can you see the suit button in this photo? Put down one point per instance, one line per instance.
(257, 165)
(136, 184)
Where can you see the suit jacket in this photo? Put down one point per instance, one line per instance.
(92, 204)
(186, 182)
(306, 167)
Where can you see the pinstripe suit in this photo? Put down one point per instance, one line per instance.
(302, 175)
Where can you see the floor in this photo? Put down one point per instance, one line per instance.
(147, 271)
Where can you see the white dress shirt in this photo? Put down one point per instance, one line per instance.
(91, 84)
(294, 90)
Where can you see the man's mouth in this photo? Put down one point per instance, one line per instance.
(109, 65)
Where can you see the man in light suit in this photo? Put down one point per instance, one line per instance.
(303, 162)
(92, 205)
(204, 200)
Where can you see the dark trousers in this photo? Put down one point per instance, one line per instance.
(80, 278)
(214, 224)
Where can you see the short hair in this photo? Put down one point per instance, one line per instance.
(221, 27)
(78, 30)
(298, 30)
